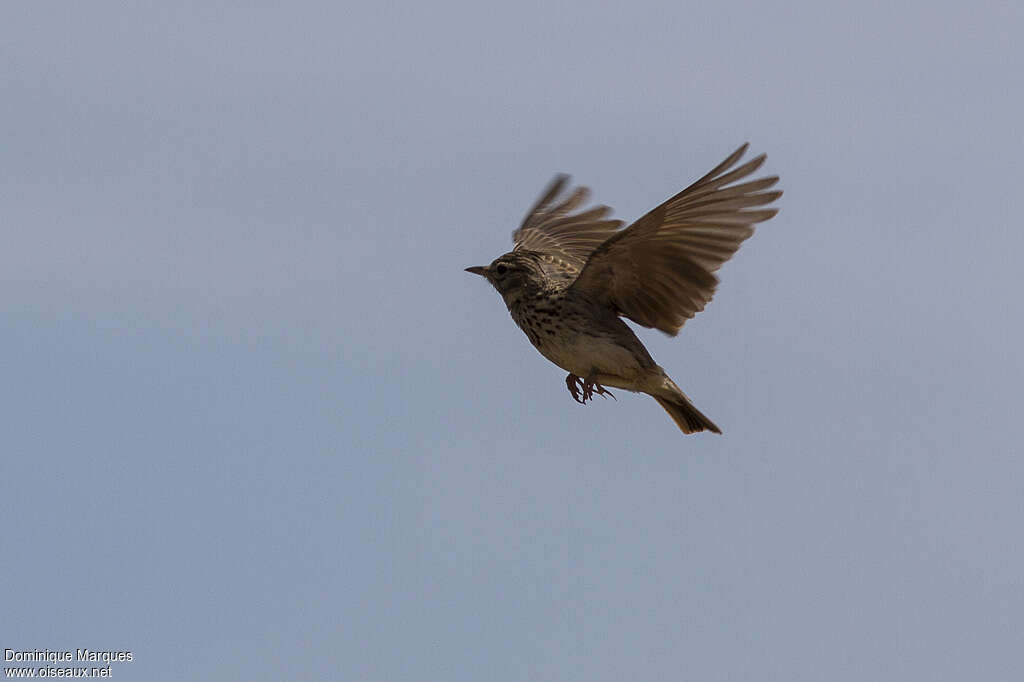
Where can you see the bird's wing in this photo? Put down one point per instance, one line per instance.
(658, 272)
(565, 239)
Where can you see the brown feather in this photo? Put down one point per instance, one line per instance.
(658, 272)
(567, 239)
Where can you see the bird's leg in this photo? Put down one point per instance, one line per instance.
(574, 383)
(590, 387)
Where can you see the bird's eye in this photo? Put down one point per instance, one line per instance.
(501, 269)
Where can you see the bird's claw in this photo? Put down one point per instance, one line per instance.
(588, 387)
(574, 383)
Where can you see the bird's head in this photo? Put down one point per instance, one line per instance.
(514, 274)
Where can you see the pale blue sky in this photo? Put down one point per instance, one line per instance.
(259, 424)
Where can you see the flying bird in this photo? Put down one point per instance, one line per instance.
(573, 274)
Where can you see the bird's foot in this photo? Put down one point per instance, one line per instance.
(575, 383)
(588, 387)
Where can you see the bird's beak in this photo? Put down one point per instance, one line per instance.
(478, 270)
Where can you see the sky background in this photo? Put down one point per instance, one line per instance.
(259, 424)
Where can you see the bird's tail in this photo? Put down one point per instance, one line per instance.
(687, 417)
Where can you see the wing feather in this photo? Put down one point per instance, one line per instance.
(564, 239)
(659, 271)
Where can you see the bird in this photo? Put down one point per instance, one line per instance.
(573, 274)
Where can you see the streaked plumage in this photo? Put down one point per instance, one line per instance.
(571, 276)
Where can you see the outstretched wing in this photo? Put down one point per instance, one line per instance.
(658, 272)
(564, 238)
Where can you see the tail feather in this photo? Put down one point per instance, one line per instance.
(687, 417)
